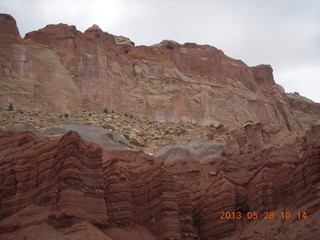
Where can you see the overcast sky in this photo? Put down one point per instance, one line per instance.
(283, 33)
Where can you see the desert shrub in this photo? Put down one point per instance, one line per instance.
(10, 108)
(181, 131)
(105, 110)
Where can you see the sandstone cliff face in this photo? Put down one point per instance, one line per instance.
(68, 188)
(58, 68)
(33, 76)
(89, 183)
(73, 181)
(267, 177)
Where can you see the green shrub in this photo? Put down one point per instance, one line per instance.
(181, 131)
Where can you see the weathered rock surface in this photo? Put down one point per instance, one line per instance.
(73, 182)
(260, 152)
(256, 177)
(164, 82)
(68, 188)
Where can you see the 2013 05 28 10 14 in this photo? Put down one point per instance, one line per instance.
(262, 215)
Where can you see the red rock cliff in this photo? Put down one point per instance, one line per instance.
(67, 188)
(59, 68)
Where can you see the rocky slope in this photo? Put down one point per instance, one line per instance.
(59, 68)
(147, 134)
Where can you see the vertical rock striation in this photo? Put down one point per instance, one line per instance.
(165, 82)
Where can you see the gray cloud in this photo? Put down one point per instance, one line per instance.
(283, 33)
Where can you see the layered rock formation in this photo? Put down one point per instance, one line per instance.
(73, 182)
(68, 188)
(270, 178)
(165, 82)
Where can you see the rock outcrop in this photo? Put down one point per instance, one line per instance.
(165, 82)
(252, 173)
(66, 187)
(266, 179)
(73, 182)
